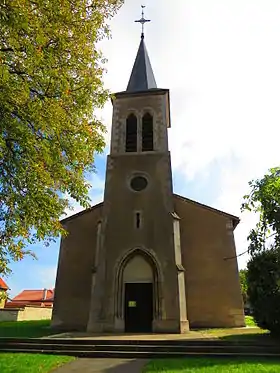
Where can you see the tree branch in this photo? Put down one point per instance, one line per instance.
(8, 49)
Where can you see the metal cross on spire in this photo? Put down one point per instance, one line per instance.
(143, 20)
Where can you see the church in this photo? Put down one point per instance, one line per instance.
(146, 260)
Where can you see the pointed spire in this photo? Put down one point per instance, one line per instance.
(142, 76)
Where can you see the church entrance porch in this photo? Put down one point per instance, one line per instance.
(138, 307)
(137, 292)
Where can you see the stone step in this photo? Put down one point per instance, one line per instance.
(144, 355)
(140, 348)
(146, 342)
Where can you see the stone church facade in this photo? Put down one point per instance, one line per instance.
(146, 260)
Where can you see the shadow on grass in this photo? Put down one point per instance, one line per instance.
(25, 329)
(213, 365)
(254, 338)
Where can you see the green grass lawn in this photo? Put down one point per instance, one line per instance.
(253, 333)
(227, 365)
(213, 365)
(31, 363)
(21, 363)
(23, 329)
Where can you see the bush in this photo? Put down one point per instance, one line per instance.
(264, 289)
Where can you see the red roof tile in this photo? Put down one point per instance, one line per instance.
(3, 285)
(41, 298)
(34, 296)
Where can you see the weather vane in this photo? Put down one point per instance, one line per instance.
(143, 20)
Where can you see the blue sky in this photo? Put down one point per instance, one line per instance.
(220, 59)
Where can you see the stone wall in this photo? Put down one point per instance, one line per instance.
(25, 313)
(75, 270)
(209, 257)
(156, 105)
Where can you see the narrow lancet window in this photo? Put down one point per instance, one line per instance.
(131, 134)
(138, 220)
(147, 133)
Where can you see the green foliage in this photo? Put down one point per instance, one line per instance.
(3, 295)
(50, 83)
(243, 284)
(249, 320)
(264, 199)
(264, 289)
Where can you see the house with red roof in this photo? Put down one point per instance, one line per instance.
(37, 298)
(27, 305)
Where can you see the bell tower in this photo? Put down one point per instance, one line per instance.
(138, 281)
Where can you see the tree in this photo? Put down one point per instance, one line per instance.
(264, 199)
(50, 83)
(264, 289)
(243, 284)
(263, 274)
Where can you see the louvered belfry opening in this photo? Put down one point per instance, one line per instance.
(131, 134)
(147, 133)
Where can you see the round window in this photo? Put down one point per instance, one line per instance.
(138, 183)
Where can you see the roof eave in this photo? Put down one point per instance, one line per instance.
(153, 91)
(65, 220)
(235, 219)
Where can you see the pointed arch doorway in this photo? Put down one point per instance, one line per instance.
(138, 292)
(138, 300)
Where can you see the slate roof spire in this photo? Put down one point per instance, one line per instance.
(142, 76)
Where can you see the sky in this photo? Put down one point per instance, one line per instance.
(221, 61)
